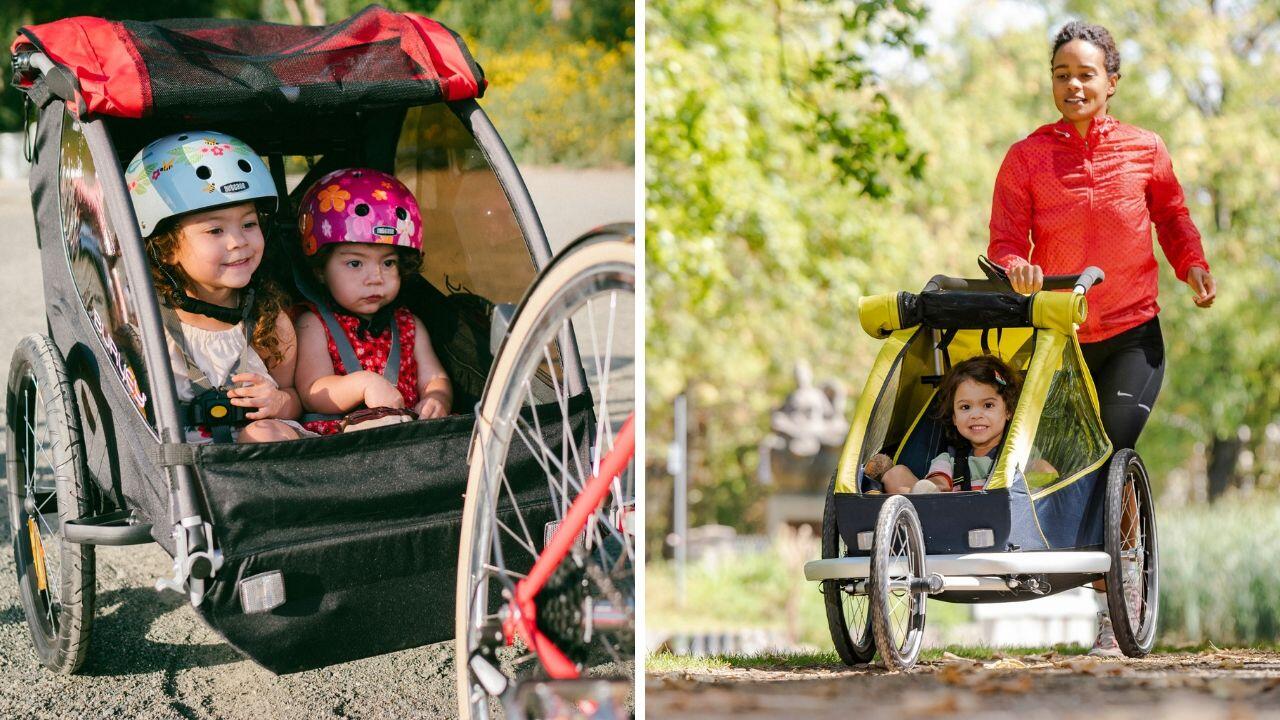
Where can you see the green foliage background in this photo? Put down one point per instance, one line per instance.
(560, 91)
(759, 243)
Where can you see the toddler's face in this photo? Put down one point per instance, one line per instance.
(362, 277)
(980, 413)
(219, 249)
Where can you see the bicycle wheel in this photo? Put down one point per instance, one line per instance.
(47, 488)
(898, 603)
(848, 612)
(1133, 580)
(564, 424)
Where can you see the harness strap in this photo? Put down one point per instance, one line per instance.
(194, 373)
(962, 456)
(947, 337)
(200, 383)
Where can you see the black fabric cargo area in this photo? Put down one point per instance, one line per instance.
(364, 529)
(945, 518)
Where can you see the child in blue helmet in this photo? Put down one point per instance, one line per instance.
(231, 345)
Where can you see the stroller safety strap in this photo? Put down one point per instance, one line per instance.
(171, 454)
(196, 375)
(350, 363)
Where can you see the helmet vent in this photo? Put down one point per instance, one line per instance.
(203, 172)
(362, 209)
(244, 165)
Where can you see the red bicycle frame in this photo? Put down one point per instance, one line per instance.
(524, 615)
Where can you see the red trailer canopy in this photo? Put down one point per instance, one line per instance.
(206, 67)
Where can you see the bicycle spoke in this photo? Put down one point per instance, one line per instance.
(517, 538)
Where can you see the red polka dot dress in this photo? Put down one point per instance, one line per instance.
(372, 351)
(1064, 202)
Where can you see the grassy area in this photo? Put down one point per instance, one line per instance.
(1218, 571)
(666, 662)
(765, 590)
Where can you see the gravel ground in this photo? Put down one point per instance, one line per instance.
(1205, 686)
(151, 657)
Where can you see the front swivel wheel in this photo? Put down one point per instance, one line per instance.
(899, 584)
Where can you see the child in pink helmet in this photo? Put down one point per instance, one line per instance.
(358, 348)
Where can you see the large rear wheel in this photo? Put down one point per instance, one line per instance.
(46, 477)
(1133, 581)
(536, 406)
(848, 605)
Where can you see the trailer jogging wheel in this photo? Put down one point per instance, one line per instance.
(47, 487)
(848, 608)
(1133, 580)
(898, 594)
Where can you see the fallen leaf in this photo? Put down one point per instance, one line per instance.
(940, 703)
(1014, 685)
(1006, 664)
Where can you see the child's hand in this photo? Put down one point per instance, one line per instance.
(431, 406)
(379, 392)
(258, 391)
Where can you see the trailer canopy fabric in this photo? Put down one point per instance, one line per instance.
(208, 69)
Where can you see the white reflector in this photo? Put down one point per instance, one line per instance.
(864, 540)
(982, 538)
(262, 593)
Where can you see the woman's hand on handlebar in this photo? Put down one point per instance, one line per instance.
(1204, 286)
(1026, 279)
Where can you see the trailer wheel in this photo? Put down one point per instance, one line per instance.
(47, 487)
(1133, 581)
(848, 613)
(897, 574)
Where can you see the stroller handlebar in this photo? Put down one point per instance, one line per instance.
(997, 280)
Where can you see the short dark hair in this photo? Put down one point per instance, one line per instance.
(985, 369)
(1095, 34)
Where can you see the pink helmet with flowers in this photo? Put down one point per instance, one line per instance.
(359, 205)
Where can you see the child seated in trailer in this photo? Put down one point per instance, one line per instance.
(197, 197)
(976, 399)
(359, 350)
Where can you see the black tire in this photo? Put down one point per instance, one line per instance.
(898, 628)
(47, 487)
(1135, 627)
(848, 615)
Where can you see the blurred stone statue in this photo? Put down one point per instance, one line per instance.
(808, 430)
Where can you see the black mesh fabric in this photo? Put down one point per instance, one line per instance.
(225, 68)
(946, 310)
(365, 529)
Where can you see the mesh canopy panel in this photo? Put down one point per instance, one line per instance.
(210, 69)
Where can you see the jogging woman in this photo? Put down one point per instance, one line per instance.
(1086, 190)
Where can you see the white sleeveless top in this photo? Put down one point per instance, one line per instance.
(215, 352)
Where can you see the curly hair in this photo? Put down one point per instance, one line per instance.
(268, 302)
(1093, 34)
(985, 369)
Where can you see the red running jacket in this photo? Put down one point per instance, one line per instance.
(1064, 202)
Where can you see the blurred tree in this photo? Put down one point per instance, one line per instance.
(1206, 76)
(771, 146)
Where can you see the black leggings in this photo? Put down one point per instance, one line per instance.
(1127, 371)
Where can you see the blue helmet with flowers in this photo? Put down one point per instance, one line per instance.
(191, 171)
